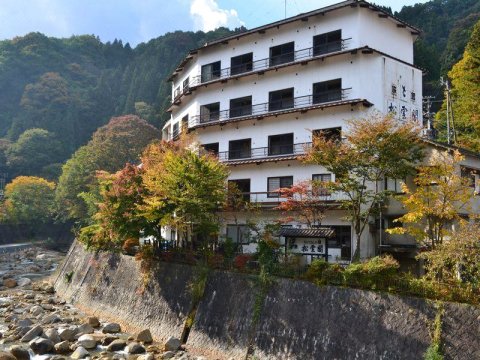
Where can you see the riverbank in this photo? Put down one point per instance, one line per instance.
(37, 324)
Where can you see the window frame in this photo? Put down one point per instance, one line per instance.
(275, 193)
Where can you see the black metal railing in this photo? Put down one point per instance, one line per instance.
(273, 198)
(263, 64)
(264, 152)
(270, 107)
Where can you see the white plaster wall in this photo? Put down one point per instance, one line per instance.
(361, 26)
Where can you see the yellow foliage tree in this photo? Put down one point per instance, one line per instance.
(440, 194)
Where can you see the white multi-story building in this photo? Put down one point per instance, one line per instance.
(256, 98)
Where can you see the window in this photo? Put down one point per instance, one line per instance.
(275, 183)
(342, 240)
(176, 131)
(280, 144)
(242, 186)
(239, 234)
(470, 175)
(177, 92)
(185, 123)
(319, 189)
(240, 64)
(327, 91)
(282, 54)
(330, 134)
(280, 99)
(328, 42)
(394, 185)
(186, 84)
(211, 148)
(240, 149)
(209, 112)
(241, 106)
(322, 177)
(211, 71)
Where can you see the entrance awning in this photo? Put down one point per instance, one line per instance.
(323, 232)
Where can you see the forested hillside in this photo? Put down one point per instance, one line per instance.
(70, 87)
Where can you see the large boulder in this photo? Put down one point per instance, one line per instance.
(62, 347)
(85, 329)
(80, 353)
(41, 346)
(111, 328)
(67, 334)
(53, 335)
(36, 310)
(9, 283)
(32, 334)
(117, 345)
(19, 352)
(87, 341)
(172, 344)
(135, 348)
(144, 336)
(6, 356)
(93, 321)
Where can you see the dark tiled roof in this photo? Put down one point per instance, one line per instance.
(323, 232)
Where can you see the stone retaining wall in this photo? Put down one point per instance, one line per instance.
(295, 320)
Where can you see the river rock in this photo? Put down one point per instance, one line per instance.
(19, 352)
(51, 319)
(32, 334)
(62, 347)
(107, 340)
(168, 355)
(85, 329)
(147, 356)
(111, 328)
(117, 345)
(6, 356)
(41, 346)
(24, 323)
(24, 282)
(9, 283)
(135, 348)
(87, 341)
(144, 336)
(36, 310)
(93, 321)
(67, 334)
(53, 335)
(80, 353)
(172, 344)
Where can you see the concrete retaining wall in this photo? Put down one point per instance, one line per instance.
(297, 320)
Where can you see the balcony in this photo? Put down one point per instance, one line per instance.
(271, 152)
(273, 199)
(270, 62)
(270, 108)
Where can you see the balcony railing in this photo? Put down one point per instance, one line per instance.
(271, 107)
(273, 198)
(263, 64)
(264, 152)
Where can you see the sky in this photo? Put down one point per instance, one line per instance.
(136, 21)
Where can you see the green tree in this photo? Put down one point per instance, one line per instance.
(374, 148)
(29, 201)
(439, 195)
(185, 189)
(34, 150)
(119, 142)
(465, 76)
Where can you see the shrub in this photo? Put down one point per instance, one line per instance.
(316, 269)
(378, 272)
(130, 246)
(216, 261)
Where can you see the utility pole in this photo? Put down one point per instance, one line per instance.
(451, 135)
(428, 131)
(285, 2)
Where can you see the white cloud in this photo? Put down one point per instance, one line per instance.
(207, 15)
